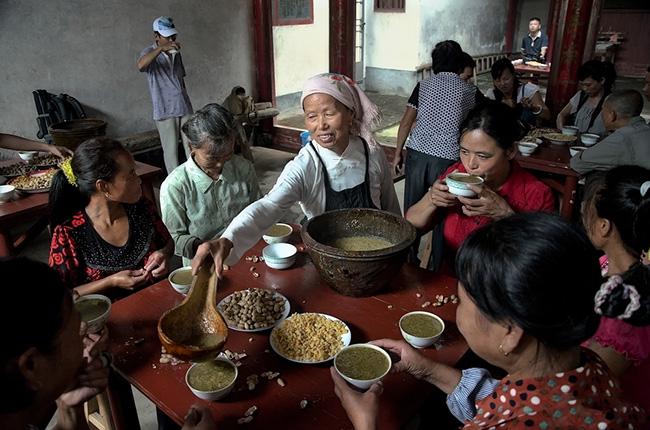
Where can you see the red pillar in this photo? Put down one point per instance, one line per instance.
(552, 26)
(576, 22)
(342, 15)
(264, 68)
(513, 6)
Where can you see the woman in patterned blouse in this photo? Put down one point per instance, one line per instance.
(526, 286)
(105, 234)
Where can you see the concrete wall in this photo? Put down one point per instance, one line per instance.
(527, 10)
(89, 50)
(301, 51)
(479, 26)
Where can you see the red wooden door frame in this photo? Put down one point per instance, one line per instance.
(341, 58)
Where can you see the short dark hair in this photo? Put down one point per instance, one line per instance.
(31, 315)
(499, 66)
(598, 70)
(497, 120)
(536, 270)
(535, 19)
(626, 103)
(446, 57)
(239, 91)
(466, 60)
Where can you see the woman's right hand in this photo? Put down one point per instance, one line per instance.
(410, 360)
(398, 162)
(218, 249)
(128, 279)
(439, 195)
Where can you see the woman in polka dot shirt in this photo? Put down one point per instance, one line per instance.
(526, 286)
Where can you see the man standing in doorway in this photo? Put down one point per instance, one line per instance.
(163, 65)
(535, 44)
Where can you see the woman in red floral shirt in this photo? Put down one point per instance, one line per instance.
(105, 234)
(526, 286)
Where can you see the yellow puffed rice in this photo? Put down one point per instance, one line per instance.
(309, 337)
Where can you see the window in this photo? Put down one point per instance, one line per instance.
(390, 5)
(293, 12)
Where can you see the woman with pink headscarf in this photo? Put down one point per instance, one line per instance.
(342, 167)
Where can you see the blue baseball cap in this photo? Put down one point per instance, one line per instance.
(165, 26)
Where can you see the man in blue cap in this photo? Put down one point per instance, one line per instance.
(163, 65)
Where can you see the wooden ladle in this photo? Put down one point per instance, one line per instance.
(194, 330)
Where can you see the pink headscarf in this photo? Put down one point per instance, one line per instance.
(365, 113)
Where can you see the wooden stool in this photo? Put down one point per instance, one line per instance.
(98, 413)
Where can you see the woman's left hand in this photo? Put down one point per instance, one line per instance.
(487, 203)
(60, 151)
(156, 264)
(362, 408)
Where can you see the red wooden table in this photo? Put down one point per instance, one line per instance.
(29, 206)
(554, 159)
(135, 317)
(525, 68)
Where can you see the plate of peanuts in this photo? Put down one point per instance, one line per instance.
(34, 182)
(254, 309)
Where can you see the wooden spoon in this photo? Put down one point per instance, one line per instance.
(194, 330)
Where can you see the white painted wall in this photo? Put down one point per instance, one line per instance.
(393, 38)
(89, 49)
(301, 51)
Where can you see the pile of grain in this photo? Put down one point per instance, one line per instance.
(309, 337)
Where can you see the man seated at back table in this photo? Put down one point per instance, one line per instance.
(535, 43)
(629, 144)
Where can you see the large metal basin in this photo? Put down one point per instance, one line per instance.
(357, 273)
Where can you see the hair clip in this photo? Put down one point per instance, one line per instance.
(630, 292)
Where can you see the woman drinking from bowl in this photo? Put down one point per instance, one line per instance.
(525, 285)
(105, 236)
(523, 97)
(342, 167)
(487, 149)
(616, 214)
(200, 197)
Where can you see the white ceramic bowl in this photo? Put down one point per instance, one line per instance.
(279, 255)
(363, 384)
(96, 325)
(421, 342)
(27, 155)
(6, 193)
(459, 187)
(181, 287)
(570, 130)
(575, 150)
(526, 148)
(589, 139)
(278, 233)
(217, 394)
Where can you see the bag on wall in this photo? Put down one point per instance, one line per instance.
(52, 109)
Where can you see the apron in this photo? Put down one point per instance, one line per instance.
(355, 197)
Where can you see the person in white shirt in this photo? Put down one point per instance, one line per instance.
(342, 167)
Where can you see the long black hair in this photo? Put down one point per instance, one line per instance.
(93, 160)
(497, 121)
(616, 195)
(31, 315)
(537, 271)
